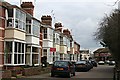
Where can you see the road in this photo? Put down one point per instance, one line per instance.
(97, 73)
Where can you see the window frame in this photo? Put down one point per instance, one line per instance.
(45, 31)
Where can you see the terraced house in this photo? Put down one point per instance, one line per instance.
(25, 40)
(2, 31)
(47, 31)
(19, 35)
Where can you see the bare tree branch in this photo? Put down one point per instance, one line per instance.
(114, 3)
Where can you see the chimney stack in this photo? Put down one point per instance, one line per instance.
(28, 7)
(47, 20)
(66, 32)
(58, 27)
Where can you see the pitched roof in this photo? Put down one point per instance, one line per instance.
(102, 50)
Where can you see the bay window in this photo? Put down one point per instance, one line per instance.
(19, 52)
(36, 28)
(45, 33)
(8, 52)
(44, 52)
(35, 58)
(18, 21)
(28, 27)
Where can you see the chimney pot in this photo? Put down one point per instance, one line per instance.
(28, 7)
(47, 20)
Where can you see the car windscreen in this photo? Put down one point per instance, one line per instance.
(81, 62)
(63, 64)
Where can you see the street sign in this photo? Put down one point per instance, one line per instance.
(52, 49)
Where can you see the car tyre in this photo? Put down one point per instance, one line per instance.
(74, 74)
(52, 75)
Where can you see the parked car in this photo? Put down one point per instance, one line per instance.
(90, 64)
(65, 68)
(94, 63)
(82, 66)
(107, 62)
(73, 62)
(101, 62)
(112, 63)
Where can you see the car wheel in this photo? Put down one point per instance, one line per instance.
(74, 74)
(52, 75)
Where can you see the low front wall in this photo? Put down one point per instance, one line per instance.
(24, 72)
(35, 71)
(5, 74)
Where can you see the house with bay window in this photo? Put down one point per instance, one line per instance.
(57, 33)
(47, 31)
(68, 48)
(56, 45)
(70, 44)
(24, 40)
(76, 51)
(61, 45)
(32, 41)
(22, 36)
(15, 37)
(71, 49)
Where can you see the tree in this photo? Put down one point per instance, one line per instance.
(109, 33)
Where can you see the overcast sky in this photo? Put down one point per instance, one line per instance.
(79, 16)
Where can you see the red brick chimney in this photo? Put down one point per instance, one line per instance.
(66, 32)
(47, 20)
(28, 6)
(58, 27)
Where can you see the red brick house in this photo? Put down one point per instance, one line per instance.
(102, 54)
(2, 31)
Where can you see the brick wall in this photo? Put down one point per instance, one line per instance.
(28, 7)
(6, 74)
(35, 71)
(2, 34)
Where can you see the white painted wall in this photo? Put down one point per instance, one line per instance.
(50, 34)
(57, 47)
(32, 39)
(49, 56)
(13, 33)
(85, 55)
(47, 43)
(63, 49)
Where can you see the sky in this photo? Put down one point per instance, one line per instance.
(81, 17)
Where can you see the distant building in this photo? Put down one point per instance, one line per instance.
(85, 55)
(102, 54)
(76, 51)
